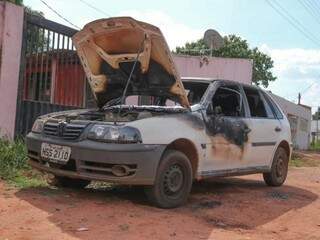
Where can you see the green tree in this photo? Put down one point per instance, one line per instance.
(235, 47)
(316, 115)
(18, 2)
(36, 40)
(33, 12)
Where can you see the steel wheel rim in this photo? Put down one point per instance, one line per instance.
(173, 180)
(280, 167)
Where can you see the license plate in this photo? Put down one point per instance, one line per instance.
(55, 153)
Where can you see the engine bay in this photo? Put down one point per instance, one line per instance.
(118, 113)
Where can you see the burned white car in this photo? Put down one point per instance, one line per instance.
(153, 129)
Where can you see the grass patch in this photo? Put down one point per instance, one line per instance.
(315, 146)
(298, 160)
(14, 167)
(27, 179)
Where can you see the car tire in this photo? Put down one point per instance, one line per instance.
(279, 169)
(173, 181)
(68, 182)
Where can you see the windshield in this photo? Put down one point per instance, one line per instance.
(195, 91)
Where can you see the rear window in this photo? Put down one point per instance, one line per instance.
(276, 111)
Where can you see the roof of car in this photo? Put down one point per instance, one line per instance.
(197, 79)
(208, 80)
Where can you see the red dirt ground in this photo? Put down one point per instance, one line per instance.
(233, 208)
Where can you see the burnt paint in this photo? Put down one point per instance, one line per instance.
(235, 130)
(194, 119)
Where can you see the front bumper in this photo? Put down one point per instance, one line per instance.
(93, 160)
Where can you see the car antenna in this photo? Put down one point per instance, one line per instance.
(129, 78)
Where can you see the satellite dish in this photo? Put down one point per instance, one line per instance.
(213, 39)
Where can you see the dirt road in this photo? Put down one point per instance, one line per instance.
(233, 208)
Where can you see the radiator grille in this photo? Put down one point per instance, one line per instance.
(68, 131)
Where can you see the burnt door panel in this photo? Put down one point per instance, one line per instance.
(228, 142)
(227, 129)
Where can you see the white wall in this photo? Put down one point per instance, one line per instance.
(301, 138)
(235, 69)
(11, 25)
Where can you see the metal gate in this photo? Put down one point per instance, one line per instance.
(51, 76)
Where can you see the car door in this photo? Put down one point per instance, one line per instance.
(264, 127)
(227, 129)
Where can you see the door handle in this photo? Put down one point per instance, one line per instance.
(277, 129)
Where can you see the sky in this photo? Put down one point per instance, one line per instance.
(296, 55)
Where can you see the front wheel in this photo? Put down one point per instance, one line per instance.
(279, 168)
(173, 181)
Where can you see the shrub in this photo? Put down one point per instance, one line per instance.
(14, 167)
(13, 158)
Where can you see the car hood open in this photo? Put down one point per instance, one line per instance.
(108, 48)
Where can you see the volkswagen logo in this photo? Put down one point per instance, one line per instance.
(61, 128)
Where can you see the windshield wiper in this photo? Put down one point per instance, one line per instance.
(112, 102)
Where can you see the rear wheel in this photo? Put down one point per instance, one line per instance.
(173, 181)
(68, 182)
(279, 168)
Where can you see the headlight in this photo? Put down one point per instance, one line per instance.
(119, 134)
(38, 126)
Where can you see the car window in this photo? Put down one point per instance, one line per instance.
(276, 111)
(195, 91)
(227, 101)
(255, 102)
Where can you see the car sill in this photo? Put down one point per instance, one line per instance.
(234, 172)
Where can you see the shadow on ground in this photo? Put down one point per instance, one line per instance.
(233, 203)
